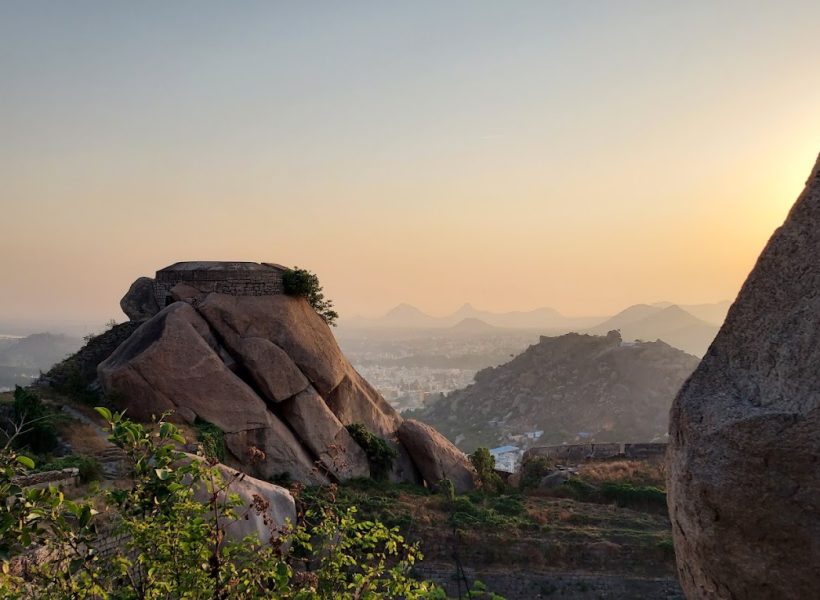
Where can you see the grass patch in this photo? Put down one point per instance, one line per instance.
(637, 497)
(634, 472)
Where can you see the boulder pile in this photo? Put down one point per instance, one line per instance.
(267, 371)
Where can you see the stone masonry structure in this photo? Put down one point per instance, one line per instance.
(232, 278)
(147, 296)
(585, 452)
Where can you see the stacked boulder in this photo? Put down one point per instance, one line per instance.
(268, 372)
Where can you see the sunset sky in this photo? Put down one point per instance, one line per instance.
(579, 155)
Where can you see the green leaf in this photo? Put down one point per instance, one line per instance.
(26, 462)
(163, 474)
(85, 516)
(103, 412)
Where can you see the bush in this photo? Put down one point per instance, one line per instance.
(489, 481)
(211, 438)
(534, 470)
(303, 283)
(90, 469)
(38, 434)
(176, 545)
(510, 506)
(380, 455)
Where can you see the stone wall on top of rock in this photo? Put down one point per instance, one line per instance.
(744, 450)
(189, 279)
(268, 372)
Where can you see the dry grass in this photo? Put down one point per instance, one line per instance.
(635, 472)
(84, 439)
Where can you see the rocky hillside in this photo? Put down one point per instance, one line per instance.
(571, 387)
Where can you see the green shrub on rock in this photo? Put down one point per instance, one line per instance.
(211, 438)
(303, 283)
(379, 453)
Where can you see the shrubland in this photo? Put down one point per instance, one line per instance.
(174, 544)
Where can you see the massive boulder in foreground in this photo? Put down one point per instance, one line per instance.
(267, 371)
(744, 453)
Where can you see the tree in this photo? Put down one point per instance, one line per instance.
(303, 283)
(32, 424)
(484, 464)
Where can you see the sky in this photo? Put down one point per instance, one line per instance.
(579, 155)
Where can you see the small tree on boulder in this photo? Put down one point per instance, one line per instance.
(303, 283)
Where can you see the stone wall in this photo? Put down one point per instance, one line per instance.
(65, 479)
(575, 452)
(584, 452)
(531, 585)
(645, 451)
(233, 283)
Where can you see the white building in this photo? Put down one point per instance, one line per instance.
(506, 458)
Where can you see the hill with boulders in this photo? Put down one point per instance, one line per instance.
(571, 387)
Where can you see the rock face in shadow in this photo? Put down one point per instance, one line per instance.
(744, 451)
(267, 371)
(139, 303)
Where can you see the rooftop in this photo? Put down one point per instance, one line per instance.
(218, 265)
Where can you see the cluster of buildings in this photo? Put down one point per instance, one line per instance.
(412, 387)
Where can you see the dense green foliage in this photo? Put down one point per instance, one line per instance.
(631, 496)
(176, 545)
(38, 434)
(533, 470)
(380, 455)
(480, 510)
(301, 282)
(211, 438)
(489, 481)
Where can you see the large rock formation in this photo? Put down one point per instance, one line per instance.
(267, 371)
(744, 454)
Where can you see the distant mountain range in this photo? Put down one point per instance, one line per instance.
(570, 388)
(406, 316)
(671, 323)
(23, 358)
(688, 327)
